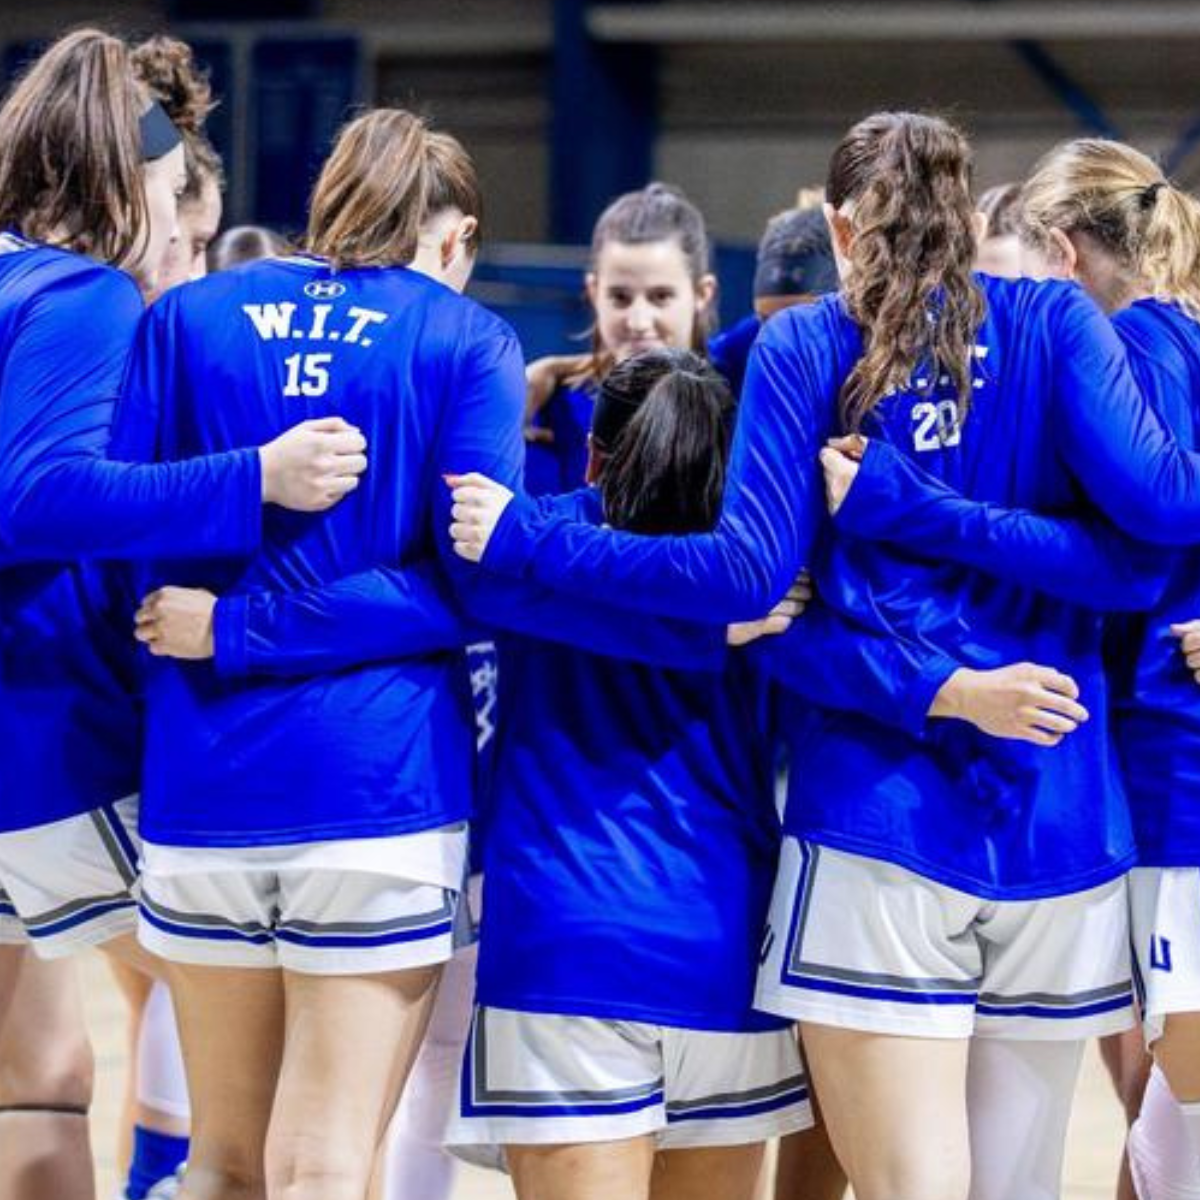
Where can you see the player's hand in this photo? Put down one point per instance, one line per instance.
(176, 622)
(1022, 701)
(840, 458)
(313, 465)
(778, 620)
(1188, 634)
(478, 505)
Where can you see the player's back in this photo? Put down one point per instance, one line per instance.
(999, 816)
(68, 724)
(1157, 703)
(379, 749)
(632, 836)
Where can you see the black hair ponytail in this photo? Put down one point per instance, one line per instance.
(663, 423)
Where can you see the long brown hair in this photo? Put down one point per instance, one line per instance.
(386, 175)
(907, 177)
(1118, 196)
(70, 150)
(168, 68)
(453, 182)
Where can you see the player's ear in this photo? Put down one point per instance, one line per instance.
(1063, 253)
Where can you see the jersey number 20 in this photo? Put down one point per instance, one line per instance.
(937, 424)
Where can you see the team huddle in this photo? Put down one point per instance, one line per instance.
(917, 538)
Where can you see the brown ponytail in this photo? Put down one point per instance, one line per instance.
(1117, 195)
(369, 202)
(387, 174)
(70, 150)
(907, 178)
(453, 182)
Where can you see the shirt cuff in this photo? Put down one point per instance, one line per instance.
(867, 507)
(924, 690)
(250, 500)
(230, 636)
(510, 548)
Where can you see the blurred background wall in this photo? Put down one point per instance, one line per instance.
(565, 103)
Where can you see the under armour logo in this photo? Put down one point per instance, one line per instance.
(324, 289)
(1160, 953)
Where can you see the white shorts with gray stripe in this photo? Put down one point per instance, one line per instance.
(1164, 907)
(12, 932)
(73, 883)
(861, 943)
(305, 908)
(545, 1079)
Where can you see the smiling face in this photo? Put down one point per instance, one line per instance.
(645, 298)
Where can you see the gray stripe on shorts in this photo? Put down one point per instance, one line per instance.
(115, 850)
(414, 921)
(810, 875)
(797, 965)
(878, 979)
(73, 906)
(752, 1096)
(204, 920)
(481, 1093)
(1059, 999)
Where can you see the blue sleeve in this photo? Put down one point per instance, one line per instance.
(1115, 444)
(388, 613)
(1085, 562)
(482, 432)
(763, 537)
(60, 495)
(832, 662)
(370, 616)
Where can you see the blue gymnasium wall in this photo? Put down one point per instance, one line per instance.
(300, 89)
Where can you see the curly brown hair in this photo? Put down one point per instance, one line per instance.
(169, 70)
(904, 182)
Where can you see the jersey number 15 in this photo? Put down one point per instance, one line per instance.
(307, 374)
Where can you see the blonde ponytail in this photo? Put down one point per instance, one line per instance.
(1169, 258)
(1118, 196)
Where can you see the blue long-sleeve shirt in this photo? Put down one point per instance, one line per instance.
(1085, 561)
(388, 613)
(632, 837)
(729, 350)
(316, 721)
(1055, 415)
(1157, 701)
(561, 465)
(69, 724)
(66, 324)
